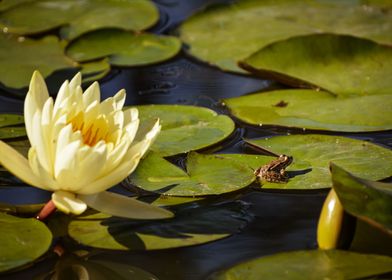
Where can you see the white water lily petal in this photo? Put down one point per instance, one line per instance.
(68, 202)
(78, 145)
(65, 164)
(122, 206)
(112, 178)
(75, 82)
(92, 94)
(18, 165)
(47, 180)
(35, 99)
(119, 99)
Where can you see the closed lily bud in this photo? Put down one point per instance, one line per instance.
(80, 146)
(330, 222)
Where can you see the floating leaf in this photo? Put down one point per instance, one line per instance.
(343, 65)
(12, 132)
(316, 151)
(368, 200)
(72, 267)
(10, 119)
(186, 128)
(315, 264)
(190, 226)
(22, 241)
(78, 16)
(95, 70)
(124, 48)
(19, 58)
(226, 34)
(314, 110)
(206, 174)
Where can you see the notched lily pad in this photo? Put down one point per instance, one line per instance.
(206, 174)
(315, 264)
(22, 241)
(19, 58)
(368, 200)
(225, 34)
(77, 17)
(344, 65)
(190, 226)
(123, 48)
(310, 109)
(186, 128)
(314, 152)
(7, 130)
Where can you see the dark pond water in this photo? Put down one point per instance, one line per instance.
(282, 222)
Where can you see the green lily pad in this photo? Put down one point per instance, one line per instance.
(343, 65)
(123, 48)
(10, 119)
(22, 241)
(78, 17)
(95, 70)
(315, 264)
(7, 130)
(190, 226)
(206, 174)
(73, 267)
(226, 34)
(310, 109)
(314, 152)
(19, 58)
(368, 200)
(186, 128)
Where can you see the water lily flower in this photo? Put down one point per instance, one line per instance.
(80, 146)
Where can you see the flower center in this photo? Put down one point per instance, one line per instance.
(93, 131)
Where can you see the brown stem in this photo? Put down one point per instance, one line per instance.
(46, 211)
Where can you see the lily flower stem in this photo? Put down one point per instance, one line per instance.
(46, 211)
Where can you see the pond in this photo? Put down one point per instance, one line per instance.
(277, 221)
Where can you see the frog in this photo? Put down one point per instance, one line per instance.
(275, 171)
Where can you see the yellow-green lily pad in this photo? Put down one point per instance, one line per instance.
(22, 241)
(7, 128)
(20, 57)
(344, 65)
(310, 109)
(123, 48)
(205, 175)
(315, 151)
(312, 264)
(226, 34)
(368, 200)
(190, 226)
(186, 128)
(77, 17)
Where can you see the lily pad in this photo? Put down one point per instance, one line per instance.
(73, 267)
(315, 264)
(186, 128)
(343, 65)
(190, 226)
(7, 130)
(95, 70)
(123, 48)
(310, 109)
(223, 35)
(10, 119)
(206, 174)
(368, 200)
(19, 58)
(314, 152)
(78, 17)
(22, 241)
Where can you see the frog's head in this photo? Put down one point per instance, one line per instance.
(286, 159)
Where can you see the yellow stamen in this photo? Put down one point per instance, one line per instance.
(93, 132)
